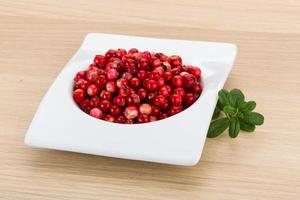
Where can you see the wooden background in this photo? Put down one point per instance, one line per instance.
(37, 38)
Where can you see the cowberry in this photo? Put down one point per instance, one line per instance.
(131, 112)
(176, 81)
(145, 109)
(104, 105)
(78, 95)
(96, 112)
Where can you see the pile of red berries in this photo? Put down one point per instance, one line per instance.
(136, 87)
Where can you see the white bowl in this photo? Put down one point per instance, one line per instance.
(60, 124)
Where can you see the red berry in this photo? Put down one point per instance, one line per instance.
(85, 106)
(94, 102)
(151, 85)
(174, 110)
(81, 84)
(160, 82)
(115, 110)
(166, 66)
(110, 53)
(119, 101)
(164, 91)
(177, 70)
(121, 53)
(127, 76)
(155, 111)
(152, 118)
(175, 60)
(189, 81)
(197, 88)
(189, 99)
(163, 116)
(133, 99)
(142, 92)
(96, 112)
(120, 119)
(180, 91)
(165, 105)
(104, 105)
(175, 100)
(135, 83)
(131, 112)
(133, 50)
(168, 76)
(145, 109)
(111, 86)
(111, 74)
(129, 121)
(193, 70)
(176, 81)
(80, 75)
(146, 54)
(142, 118)
(143, 64)
(125, 91)
(105, 95)
(92, 90)
(100, 82)
(159, 100)
(121, 82)
(100, 61)
(156, 63)
(109, 118)
(92, 76)
(142, 75)
(78, 95)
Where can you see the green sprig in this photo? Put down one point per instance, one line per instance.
(233, 112)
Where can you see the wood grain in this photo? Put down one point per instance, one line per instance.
(38, 37)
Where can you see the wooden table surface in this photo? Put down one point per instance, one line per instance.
(37, 38)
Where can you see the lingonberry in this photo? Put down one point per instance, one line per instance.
(175, 100)
(121, 52)
(114, 110)
(121, 82)
(120, 119)
(189, 99)
(189, 81)
(193, 70)
(160, 82)
(159, 70)
(163, 116)
(131, 112)
(133, 99)
(100, 61)
(155, 111)
(127, 76)
(143, 64)
(109, 118)
(142, 118)
(176, 81)
(166, 66)
(96, 112)
(165, 105)
(197, 89)
(112, 74)
(100, 82)
(145, 109)
(151, 85)
(152, 118)
(125, 90)
(85, 106)
(175, 60)
(81, 84)
(92, 76)
(92, 90)
(120, 101)
(111, 86)
(110, 53)
(168, 76)
(142, 92)
(80, 75)
(78, 95)
(180, 91)
(133, 50)
(105, 95)
(159, 100)
(135, 83)
(94, 102)
(142, 75)
(104, 105)
(164, 91)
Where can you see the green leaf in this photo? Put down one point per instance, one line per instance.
(247, 106)
(254, 118)
(230, 110)
(234, 127)
(217, 127)
(237, 96)
(240, 115)
(217, 112)
(246, 127)
(223, 98)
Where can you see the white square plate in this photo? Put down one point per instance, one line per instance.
(60, 124)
